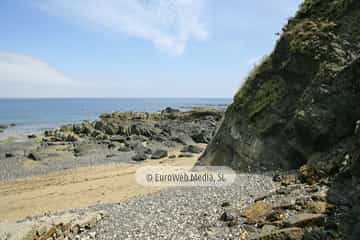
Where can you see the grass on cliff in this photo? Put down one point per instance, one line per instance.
(325, 9)
(258, 68)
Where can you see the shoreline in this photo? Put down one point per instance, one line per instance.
(81, 164)
(75, 188)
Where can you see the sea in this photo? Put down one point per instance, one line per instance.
(36, 115)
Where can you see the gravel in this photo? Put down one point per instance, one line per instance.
(13, 167)
(181, 213)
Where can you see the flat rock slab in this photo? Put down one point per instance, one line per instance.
(257, 210)
(283, 234)
(304, 219)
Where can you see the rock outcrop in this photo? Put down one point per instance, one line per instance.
(144, 135)
(302, 100)
(300, 108)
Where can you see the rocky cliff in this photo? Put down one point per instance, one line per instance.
(301, 107)
(302, 100)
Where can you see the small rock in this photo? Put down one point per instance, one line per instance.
(183, 139)
(72, 138)
(170, 110)
(225, 204)
(317, 207)
(320, 196)
(148, 151)
(123, 149)
(304, 219)
(158, 154)
(172, 156)
(257, 210)
(277, 215)
(192, 149)
(277, 177)
(3, 126)
(231, 216)
(111, 146)
(119, 139)
(92, 235)
(268, 228)
(283, 234)
(185, 155)
(357, 127)
(9, 155)
(34, 156)
(308, 174)
(139, 157)
(32, 136)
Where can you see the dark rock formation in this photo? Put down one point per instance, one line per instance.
(158, 154)
(192, 149)
(139, 157)
(302, 100)
(34, 156)
(140, 132)
(300, 106)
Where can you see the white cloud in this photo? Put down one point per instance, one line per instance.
(22, 76)
(24, 69)
(168, 24)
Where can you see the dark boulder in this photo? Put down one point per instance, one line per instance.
(110, 129)
(111, 145)
(76, 128)
(119, 139)
(169, 110)
(3, 126)
(96, 133)
(34, 156)
(137, 146)
(201, 136)
(9, 154)
(158, 154)
(123, 148)
(230, 215)
(182, 138)
(49, 133)
(99, 125)
(139, 157)
(71, 138)
(192, 149)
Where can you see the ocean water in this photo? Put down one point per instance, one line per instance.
(34, 115)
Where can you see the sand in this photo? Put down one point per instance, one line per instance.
(76, 188)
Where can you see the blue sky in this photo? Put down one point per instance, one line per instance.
(134, 48)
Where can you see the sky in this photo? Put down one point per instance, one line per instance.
(134, 48)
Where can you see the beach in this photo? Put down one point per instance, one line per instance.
(77, 188)
(82, 164)
(80, 181)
